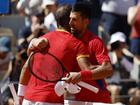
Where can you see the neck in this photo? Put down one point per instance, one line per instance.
(81, 34)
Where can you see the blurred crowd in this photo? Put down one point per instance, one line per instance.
(116, 22)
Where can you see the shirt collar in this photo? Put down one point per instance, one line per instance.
(62, 30)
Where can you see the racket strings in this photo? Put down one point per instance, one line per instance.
(46, 67)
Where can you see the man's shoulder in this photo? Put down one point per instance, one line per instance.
(95, 37)
(92, 35)
(63, 35)
(49, 33)
(95, 40)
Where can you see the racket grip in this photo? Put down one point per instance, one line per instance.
(88, 86)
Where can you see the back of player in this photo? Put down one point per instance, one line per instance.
(66, 48)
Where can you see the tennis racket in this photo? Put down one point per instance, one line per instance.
(48, 68)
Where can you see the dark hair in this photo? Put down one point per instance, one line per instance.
(84, 9)
(115, 45)
(40, 16)
(62, 16)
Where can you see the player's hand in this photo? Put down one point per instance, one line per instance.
(37, 45)
(73, 77)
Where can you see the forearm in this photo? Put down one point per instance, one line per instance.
(103, 71)
(21, 93)
(23, 82)
(25, 74)
(91, 73)
(132, 13)
(98, 71)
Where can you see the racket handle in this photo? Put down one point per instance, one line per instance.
(88, 86)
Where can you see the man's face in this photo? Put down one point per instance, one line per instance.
(78, 24)
(52, 8)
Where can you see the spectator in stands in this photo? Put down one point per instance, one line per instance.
(134, 21)
(16, 66)
(32, 11)
(5, 55)
(28, 8)
(50, 6)
(122, 67)
(114, 17)
(6, 58)
(12, 66)
(36, 29)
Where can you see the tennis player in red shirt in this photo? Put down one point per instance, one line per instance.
(79, 20)
(68, 50)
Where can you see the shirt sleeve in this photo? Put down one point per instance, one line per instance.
(82, 51)
(98, 48)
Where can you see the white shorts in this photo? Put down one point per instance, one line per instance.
(70, 102)
(66, 102)
(27, 102)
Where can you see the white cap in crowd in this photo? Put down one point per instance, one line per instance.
(118, 36)
(48, 2)
(35, 3)
(30, 7)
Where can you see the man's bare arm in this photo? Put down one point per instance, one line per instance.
(23, 80)
(132, 13)
(97, 72)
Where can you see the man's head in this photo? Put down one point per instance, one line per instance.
(5, 46)
(117, 41)
(29, 7)
(79, 18)
(51, 5)
(62, 17)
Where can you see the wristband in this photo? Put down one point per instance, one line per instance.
(86, 75)
(21, 89)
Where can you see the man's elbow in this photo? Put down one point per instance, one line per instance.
(110, 70)
(130, 21)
